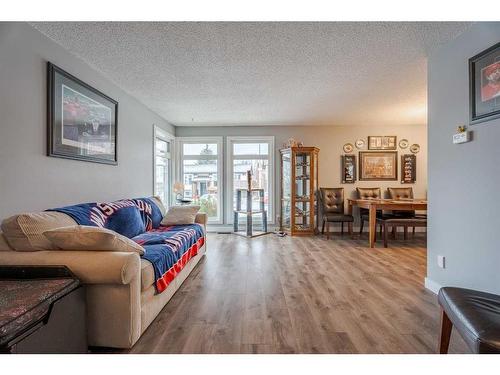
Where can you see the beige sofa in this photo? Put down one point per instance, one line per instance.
(121, 299)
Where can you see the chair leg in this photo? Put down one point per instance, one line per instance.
(327, 230)
(349, 228)
(444, 338)
(413, 232)
(361, 227)
(394, 230)
(342, 228)
(323, 227)
(406, 232)
(381, 230)
(385, 234)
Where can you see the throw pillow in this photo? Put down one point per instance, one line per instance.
(81, 237)
(180, 215)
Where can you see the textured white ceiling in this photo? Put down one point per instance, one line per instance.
(265, 73)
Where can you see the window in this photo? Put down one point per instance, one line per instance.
(257, 155)
(201, 173)
(162, 165)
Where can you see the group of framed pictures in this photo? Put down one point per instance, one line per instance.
(382, 143)
(380, 164)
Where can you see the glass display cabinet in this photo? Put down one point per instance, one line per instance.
(299, 186)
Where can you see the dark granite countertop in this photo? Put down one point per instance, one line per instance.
(26, 296)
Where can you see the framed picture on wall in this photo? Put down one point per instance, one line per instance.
(348, 169)
(81, 121)
(408, 169)
(484, 85)
(382, 142)
(378, 166)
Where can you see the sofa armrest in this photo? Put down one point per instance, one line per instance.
(201, 218)
(91, 267)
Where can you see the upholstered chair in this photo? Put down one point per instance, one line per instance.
(404, 193)
(474, 314)
(332, 200)
(367, 193)
(400, 193)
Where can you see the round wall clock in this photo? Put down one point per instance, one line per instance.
(414, 148)
(360, 143)
(348, 147)
(404, 143)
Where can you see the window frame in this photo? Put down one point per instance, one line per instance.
(179, 143)
(230, 140)
(162, 134)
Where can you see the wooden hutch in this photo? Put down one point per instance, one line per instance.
(299, 190)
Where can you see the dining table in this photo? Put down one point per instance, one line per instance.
(373, 205)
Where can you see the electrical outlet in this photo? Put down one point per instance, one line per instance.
(441, 261)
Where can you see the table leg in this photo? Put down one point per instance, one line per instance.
(372, 224)
(349, 211)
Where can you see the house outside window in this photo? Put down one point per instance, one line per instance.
(200, 169)
(255, 154)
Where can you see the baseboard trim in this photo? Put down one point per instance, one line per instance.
(432, 285)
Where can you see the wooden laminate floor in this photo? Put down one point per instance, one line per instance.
(301, 295)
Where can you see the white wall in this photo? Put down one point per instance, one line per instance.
(29, 180)
(464, 180)
(330, 140)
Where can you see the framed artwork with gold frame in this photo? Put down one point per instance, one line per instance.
(379, 142)
(378, 166)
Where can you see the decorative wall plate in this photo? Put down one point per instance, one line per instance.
(360, 143)
(404, 143)
(414, 148)
(348, 148)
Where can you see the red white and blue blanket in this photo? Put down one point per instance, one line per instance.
(129, 217)
(167, 248)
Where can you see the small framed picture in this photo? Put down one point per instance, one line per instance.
(348, 169)
(408, 169)
(82, 121)
(484, 85)
(382, 142)
(378, 166)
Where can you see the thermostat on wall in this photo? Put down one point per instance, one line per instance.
(462, 136)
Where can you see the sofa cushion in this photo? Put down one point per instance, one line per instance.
(4, 246)
(159, 204)
(123, 216)
(147, 274)
(180, 215)
(81, 237)
(152, 211)
(24, 232)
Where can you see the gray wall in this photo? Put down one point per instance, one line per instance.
(330, 140)
(464, 180)
(29, 180)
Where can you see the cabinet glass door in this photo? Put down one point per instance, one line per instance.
(286, 165)
(303, 191)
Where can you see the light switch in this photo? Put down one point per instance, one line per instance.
(441, 261)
